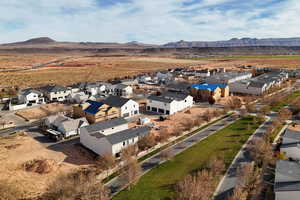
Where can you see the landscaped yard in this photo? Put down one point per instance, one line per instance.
(159, 182)
(286, 101)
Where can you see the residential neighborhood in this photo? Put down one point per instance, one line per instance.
(144, 116)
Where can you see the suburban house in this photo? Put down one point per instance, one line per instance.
(203, 92)
(95, 111)
(130, 82)
(55, 92)
(144, 79)
(202, 73)
(127, 107)
(228, 77)
(259, 84)
(111, 136)
(178, 87)
(27, 97)
(169, 103)
(64, 125)
(31, 96)
(120, 90)
(291, 144)
(163, 77)
(287, 180)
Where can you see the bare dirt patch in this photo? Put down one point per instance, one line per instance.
(32, 167)
(43, 111)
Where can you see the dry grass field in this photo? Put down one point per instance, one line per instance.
(101, 68)
(78, 67)
(16, 61)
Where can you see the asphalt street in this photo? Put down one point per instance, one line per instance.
(116, 185)
(229, 181)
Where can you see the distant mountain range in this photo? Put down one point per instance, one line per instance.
(235, 46)
(235, 42)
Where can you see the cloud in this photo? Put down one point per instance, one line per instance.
(155, 21)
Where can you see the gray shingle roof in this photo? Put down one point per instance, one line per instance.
(115, 101)
(168, 97)
(30, 90)
(105, 125)
(287, 177)
(74, 124)
(291, 134)
(53, 88)
(127, 134)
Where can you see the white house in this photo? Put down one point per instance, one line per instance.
(169, 103)
(287, 180)
(120, 90)
(202, 73)
(55, 92)
(111, 136)
(65, 125)
(27, 97)
(128, 107)
(144, 79)
(31, 96)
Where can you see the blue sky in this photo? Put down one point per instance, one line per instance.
(148, 21)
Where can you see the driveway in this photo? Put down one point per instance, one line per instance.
(116, 184)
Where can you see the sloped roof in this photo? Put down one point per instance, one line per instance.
(168, 97)
(127, 134)
(73, 124)
(292, 134)
(53, 88)
(105, 125)
(93, 108)
(208, 86)
(160, 98)
(115, 101)
(29, 90)
(287, 176)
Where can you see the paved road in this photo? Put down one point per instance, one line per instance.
(227, 185)
(116, 184)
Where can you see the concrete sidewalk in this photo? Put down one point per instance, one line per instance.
(116, 184)
(229, 181)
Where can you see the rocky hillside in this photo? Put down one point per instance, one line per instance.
(235, 42)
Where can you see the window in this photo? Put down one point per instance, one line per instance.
(125, 107)
(167, 112)
(154, 109)
(132, 139)
(161, 110)
(123, 143)
(134, 106)
(148, 108)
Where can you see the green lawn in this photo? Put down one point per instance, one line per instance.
(286, 101)
(158, 183)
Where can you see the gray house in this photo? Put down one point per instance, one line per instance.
(55, 92)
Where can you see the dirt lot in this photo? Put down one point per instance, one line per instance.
(17, 151)
(173, 122)
(43, 111)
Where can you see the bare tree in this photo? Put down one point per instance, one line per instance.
(217, 166)
(146, 142)
(131, 172)
(128, 152)
(239, 194)
(265, 110)
(198, 187)
(163, 136)
(166, 154)
(284, 114)
(80, 185)
(106, 162)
